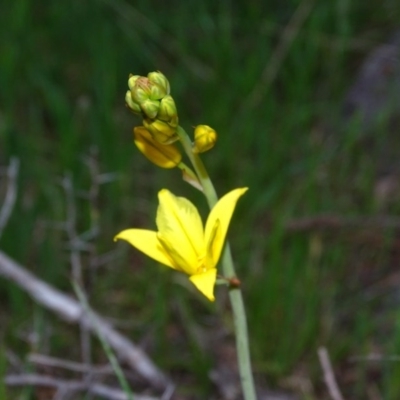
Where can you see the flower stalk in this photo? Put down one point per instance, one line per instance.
(181, 242)
(235, 294)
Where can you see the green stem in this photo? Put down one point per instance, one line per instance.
(208, 187)
(235, 294)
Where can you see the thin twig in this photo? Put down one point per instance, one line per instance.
(41, 359)
(104, 259)
(75, 259)
(70, 227)
(168, 393)
(67, 386)
(70, 310)
(11, 193)
(329, 376)
(93, 199)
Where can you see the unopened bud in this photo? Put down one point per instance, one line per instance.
(146, 94)
(165, 156)
(150, 108)
(132, 81)
(167, 111)
(161, 81)
(131, 104)
(204, 138)
(161, 131)
(141, 90)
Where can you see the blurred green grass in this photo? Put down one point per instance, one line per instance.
(63, 73)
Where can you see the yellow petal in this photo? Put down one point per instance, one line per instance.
(205, 282)
(218, 223)
(165, 156)
(180, 230)
(210, 261)
(147, 242)
(161, 131)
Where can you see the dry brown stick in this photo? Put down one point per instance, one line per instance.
(11, 193)
(329, 376)
(70, 227)
(67, 386)
(70, 310)
(76, 259)
(54, 362)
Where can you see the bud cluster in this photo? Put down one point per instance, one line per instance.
(150, 97)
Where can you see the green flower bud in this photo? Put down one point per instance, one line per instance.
(204, 138)
(161, 131)
(160, 80)
(131, 104)
(167, 111)
(132, 81)
(150, 108)
(146, 95)
(141, 90)
(165, 156)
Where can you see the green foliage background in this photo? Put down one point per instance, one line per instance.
(270, 77)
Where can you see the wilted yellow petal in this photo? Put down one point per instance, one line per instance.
(205, 282)
(180, 230)
(218, 222)
(165, 156)
(147, 242)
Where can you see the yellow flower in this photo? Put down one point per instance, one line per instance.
(182, 243)
(163, 155)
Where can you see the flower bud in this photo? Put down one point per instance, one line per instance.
(161, 131)
(146, 94)
(141, 90)
(161, 81)
(204, 138)
(131, 104)
(150, 108)
(132, 81)
(164, 156)
(167, 111)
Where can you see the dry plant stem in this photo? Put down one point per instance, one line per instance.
(67, 387)
(75, 258)
(235, 294)
(329, 376)
(11, 193)
(53, 362)
(70, 310)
